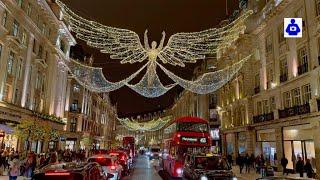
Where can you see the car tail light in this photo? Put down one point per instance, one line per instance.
(57, 174)
(113, 167)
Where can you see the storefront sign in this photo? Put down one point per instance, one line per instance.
(189, 139)
(214, 133)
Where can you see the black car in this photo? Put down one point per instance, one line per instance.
(202, 167)
(71, 171)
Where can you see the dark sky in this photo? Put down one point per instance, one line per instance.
(171, 16)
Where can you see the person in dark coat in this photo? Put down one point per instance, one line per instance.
(229, 158)
(240, 162)
(247, 162)
(300, 166)
(308, 168)
(284, 163)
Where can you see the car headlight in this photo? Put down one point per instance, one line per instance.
(179, 171)
(203, 178)
(234, 178)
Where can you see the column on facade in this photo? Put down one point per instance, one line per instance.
(3, 68)
(67, 103)
(279, 146)
(52, 78)
(27, 71)
(292, 59)
(32, 84)
(316, 139)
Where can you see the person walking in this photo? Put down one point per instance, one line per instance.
(240, 162)
(300, 166)
(308, 169)
(229, 158)
(284, 163)
(14, 169)
(247, 163)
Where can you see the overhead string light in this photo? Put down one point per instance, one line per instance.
(125, 45)
(152, 125)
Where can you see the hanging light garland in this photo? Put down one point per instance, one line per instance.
(152, 125)
(181, 48)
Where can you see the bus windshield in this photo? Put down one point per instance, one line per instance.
(192, 127)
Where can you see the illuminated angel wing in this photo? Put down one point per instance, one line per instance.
(190, 47)
(120, 43)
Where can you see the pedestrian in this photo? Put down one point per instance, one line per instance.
(247, 163)
(252, 161)
(14, 169)
(29, 165)
(240, 162)
(284, 163)
(229, 158)
(308, 168)
(300, 166)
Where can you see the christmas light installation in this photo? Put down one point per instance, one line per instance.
(152, 125)
(125, 45)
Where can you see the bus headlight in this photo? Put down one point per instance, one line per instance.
(203, 178)
(179, 171)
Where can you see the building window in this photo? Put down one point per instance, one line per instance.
(44, 27)
(4, 18)
(0, 50)
(259, 108)
(269, 75)
(40, 52)
(19, 3)
(287, 99)
(318, 7)
(296, 100)
(265, 107)
(257, 84)
(283, 70)
(281, 34)
(24, 38)
(29, 9)
(10, 63)
(76, 88)
(74, 105)
(272, 103)
(15, 28)
(20, 68)
(62, 46)
(306, 93)
(269, 44)
(73, 124)
(302, 60)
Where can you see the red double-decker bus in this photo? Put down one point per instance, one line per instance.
(128, 144)
(184, 135)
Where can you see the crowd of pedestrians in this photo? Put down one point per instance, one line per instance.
(260, 164)
(14, 164)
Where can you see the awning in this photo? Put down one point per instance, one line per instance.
(6, 129)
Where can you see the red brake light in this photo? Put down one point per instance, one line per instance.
(58, 174)
(113, 167)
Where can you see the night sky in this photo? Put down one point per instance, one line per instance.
(171, 16)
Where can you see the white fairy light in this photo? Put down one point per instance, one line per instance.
(152, 125)
(181, 48)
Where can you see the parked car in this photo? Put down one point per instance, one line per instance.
(109, 165)
(71, 171)
(124, 160)
(204, 167)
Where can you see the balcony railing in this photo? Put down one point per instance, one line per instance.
(256, 90)
(293, 111)
(263, 117)
(283, 78)
(302, 68)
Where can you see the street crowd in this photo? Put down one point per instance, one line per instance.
(14, 163)
(261, 165)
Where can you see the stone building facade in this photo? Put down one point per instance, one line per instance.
(34, 83)
(278, 112)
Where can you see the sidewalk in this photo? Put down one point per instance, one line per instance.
(253, 175)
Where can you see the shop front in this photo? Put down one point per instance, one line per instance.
(230, 143)
(242, 142)
(216, 143)
(71, 144)
(266, 145)
(298, 142)
(7, 138)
